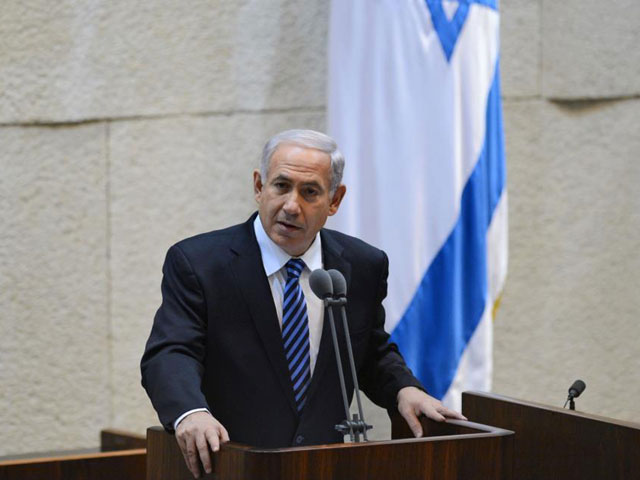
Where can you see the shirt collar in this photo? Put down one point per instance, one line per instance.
(274, 257)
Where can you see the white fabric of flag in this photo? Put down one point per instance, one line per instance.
(414, 105)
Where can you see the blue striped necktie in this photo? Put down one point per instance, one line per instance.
(295, 332)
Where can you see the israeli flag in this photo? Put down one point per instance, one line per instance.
(414, 104)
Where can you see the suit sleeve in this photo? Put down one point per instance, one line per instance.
(172, 364)
(384, 372)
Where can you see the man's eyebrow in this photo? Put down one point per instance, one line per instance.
(314, 184)
(281, 178)
(284, 178)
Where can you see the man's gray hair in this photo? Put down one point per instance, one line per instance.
(306, 139)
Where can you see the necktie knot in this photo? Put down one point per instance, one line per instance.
(294, 268)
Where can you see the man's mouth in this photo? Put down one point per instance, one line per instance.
(288, 226)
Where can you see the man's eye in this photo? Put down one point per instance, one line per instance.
(280, 185)
(311, 192)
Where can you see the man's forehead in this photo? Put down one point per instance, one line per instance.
(289, 150)
(292, 161)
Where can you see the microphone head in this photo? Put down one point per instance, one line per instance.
(339, 283)
(320, 283)
(577, 388)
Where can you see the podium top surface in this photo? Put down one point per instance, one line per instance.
(450, 430)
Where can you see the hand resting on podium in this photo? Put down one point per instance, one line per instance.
(413, 402)
(196, 434)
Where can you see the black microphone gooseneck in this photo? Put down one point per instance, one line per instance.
(321, 285)
(331, 288)
(574, 392)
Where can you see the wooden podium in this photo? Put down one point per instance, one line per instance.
(449, 450)
(121, 455)
(552, 442)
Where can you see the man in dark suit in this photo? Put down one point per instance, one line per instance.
(238, 349)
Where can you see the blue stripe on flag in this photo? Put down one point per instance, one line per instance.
(451, 297)
(449, 30)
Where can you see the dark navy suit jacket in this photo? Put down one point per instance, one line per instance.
(216, 341)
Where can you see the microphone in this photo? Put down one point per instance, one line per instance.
(357, 425)
(331, 288)
(574, 392)
(576, 389)
(339, 284)
(321, 284)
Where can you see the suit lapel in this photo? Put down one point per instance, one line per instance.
(331, 258)
(253, 285)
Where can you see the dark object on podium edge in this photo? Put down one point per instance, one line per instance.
(452, 450)
(331, 287)
(552, 442)
(574, 392)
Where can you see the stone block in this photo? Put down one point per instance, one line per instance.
(75, 60)
(375, 416)
(520, 47)
(590, 49)
(570, 305)
(53, 288)
(171, 179)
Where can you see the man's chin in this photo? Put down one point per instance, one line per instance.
(293, 245)
(288, 234)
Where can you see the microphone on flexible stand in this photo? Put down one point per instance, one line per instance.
(340, 297)
(321, 284)
(574, 392)
(332, 290)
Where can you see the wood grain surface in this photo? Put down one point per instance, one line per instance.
(458, 450)
(554, 443)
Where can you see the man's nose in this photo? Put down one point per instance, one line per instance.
(292, 205)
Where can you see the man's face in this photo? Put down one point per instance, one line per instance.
(294, 201)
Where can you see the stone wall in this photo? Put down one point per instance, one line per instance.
(127, 126)
(570, 309)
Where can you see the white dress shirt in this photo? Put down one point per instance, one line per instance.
(274, 260)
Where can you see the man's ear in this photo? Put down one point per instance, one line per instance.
(337, 198)
(257, 185)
